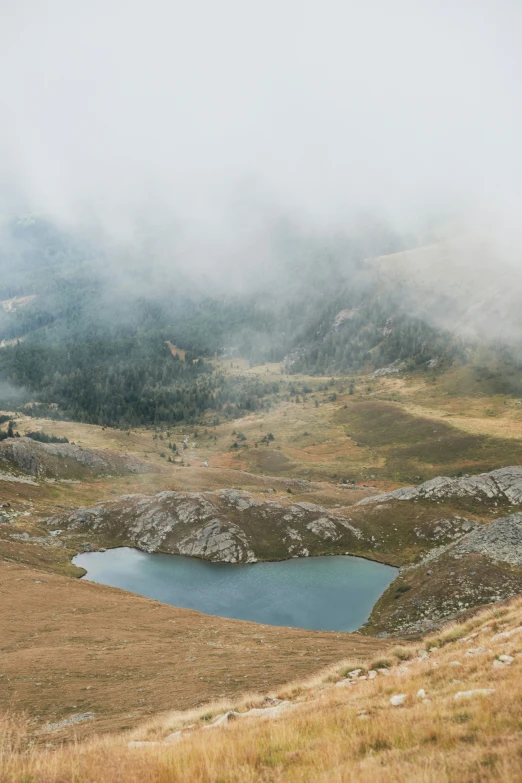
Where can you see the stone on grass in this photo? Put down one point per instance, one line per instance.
(222, 720)
(476, 692)
(505, 634)
(174, 737)
(421, 693)
(372, 674)
(398, 699)
(141, 744)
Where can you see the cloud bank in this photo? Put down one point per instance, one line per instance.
(204, 121)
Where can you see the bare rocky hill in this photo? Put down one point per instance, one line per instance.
(481, 565)
(227, 526)
(504, 484)
(65, 460)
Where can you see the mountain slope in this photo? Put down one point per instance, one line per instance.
(444, 711)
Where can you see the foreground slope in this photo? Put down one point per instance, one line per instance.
(70, 648)
(445, 710)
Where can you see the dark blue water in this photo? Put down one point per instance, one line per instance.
(323, 593)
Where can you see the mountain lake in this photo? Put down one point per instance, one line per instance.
(331, 593)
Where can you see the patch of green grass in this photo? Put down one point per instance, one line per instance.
(376, 423)
(382, 663)
(414, 446)
(403, 653)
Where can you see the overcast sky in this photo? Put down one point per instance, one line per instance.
(117, 110)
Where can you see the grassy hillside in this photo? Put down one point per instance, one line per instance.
(78, 647)
(445, 710)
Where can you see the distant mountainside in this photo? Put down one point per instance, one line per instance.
(82, 328)
(464, 285)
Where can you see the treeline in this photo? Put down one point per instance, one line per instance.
(96, 352)
(10, 432)
(370, 334)
(42, 437)
(120, 382)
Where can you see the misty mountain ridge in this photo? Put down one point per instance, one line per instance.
(80, 327)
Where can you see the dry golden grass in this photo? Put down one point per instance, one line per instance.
(451, 398)
(331, 733)
(501, 422)
(68, 647)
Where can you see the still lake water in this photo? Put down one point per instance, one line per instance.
(334, 593)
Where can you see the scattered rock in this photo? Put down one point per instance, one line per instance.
(230, 715)
(142, 744)
(498, 637)
(174, 737)
(73, 720)
(398, 699)
(503, 660)
(384, 371)
(476, 692)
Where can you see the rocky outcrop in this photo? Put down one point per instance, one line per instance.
(225, 526)
(65, 460)
(504, 484)
(483, 566)
(212, 542)
(501, 540)
(384, 371)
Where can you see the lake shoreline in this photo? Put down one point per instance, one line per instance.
(322, 592)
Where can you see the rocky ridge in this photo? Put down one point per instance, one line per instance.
(224, 526)
(501, 540)
(65, 460)
(476, 563)
(504, 484)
